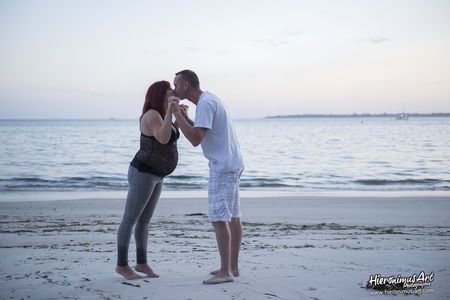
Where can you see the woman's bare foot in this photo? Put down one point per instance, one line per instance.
(145, 268)
(127, 272)
(219, 278)
(235, 272)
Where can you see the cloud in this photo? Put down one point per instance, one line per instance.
(378, 39)
(281, 40)
(293, 32)
(223, 52)
(91, 91)
(193, 49)
(371, 39)
(274, 42)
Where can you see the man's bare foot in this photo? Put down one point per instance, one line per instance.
(218, 278)
(145, 268)
(235, 272)
(127, 272)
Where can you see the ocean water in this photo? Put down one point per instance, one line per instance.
(294, 155)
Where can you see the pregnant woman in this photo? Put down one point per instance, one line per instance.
(156, 158)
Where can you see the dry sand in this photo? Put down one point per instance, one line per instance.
(293, 248)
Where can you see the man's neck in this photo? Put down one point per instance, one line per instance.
(195, 96)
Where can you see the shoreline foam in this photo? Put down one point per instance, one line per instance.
(78, 195)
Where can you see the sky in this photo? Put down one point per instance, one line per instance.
(96, 59)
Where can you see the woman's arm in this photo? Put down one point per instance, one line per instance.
(160, 128)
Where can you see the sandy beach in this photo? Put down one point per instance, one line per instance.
(302, 247)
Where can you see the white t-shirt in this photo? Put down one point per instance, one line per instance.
(220, 145)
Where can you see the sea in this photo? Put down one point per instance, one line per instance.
(297, 155)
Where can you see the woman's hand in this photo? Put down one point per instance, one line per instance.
(172, 102)
(175, 109)
(173, 98)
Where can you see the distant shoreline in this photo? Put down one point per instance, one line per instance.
(384, 115)
(297, 116)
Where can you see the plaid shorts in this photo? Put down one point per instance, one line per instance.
(223, 196)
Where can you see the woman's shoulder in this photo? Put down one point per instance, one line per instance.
(148, 120)
(150, 113)
(151, 116)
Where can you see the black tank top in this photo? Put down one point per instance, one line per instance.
(156, 158)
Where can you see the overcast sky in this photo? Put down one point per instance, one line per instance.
(96, 59)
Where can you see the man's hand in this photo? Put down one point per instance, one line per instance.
(183, 108)
(193, 134)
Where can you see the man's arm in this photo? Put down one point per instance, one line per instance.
(184, 114)
(189, 120)
(195, 135)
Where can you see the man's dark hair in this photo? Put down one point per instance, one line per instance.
(190, 77)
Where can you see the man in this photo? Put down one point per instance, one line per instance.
(214, 130)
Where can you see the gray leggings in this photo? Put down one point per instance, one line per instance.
(143, 194)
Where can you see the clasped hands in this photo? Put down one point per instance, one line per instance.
(176, 108)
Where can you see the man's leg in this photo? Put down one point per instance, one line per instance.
(236, 240)
(235, 245)
(223, 238)
(235, 225)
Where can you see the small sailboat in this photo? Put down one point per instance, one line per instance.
(402, 116)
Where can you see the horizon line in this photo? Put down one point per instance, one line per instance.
(239, 118)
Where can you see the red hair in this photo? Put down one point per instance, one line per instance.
(155, 97)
